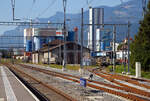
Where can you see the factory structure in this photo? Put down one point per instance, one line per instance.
(34, 38)
(99, 38)
(96, 16)
(46, 45)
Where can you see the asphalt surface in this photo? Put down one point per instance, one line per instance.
(11, 89)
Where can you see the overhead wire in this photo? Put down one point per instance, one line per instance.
(31, 9)
(86, 6)
(45, 10)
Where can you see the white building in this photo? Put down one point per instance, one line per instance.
(121, 55)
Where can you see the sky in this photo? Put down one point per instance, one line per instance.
(34, 8)
(25, 9)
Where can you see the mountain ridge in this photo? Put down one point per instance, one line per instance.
(128, 11)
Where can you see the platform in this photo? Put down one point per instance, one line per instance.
(12, 89)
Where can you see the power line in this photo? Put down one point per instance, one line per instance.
(27, 23)
(45, 10)
(30, 10)
(89, 2)
(86, 6)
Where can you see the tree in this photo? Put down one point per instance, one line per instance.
(140, 47)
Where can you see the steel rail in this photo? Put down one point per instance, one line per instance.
(131, 89)
(127, 79)
(42, 83)
(67, 76)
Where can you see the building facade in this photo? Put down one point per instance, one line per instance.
(56, 53)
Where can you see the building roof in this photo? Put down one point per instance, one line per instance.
(45, 49)
(54, 42)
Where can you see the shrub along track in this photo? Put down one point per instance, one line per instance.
(56, 94)
(127, 95)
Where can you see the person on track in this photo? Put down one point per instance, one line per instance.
(91, 76)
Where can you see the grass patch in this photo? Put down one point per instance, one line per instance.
(55, 66)
(6, 60)
(10, 60)
(69, 67)
(145, 74)
(120, 69)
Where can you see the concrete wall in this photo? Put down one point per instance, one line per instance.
(46, 55)
(35, 58)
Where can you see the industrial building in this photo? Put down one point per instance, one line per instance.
(96, 16)
(34, 38)
(38, 41)
(106, 41)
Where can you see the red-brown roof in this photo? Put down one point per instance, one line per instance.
(54, 42)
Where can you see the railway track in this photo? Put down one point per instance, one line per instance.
(127, 95)
(112, 78)
(128, 79)
(57, 94)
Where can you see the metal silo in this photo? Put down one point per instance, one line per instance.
(37, 43)
(29, 46)
(102, 46)
(96, 16)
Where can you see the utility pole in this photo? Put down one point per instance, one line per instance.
(48, 46)
(124, 62)
(32, 37)
(114, 47)
(64, 61)
(11, 54)
(48, 52)
(13, 10)
(81, 62)
(128, 47)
